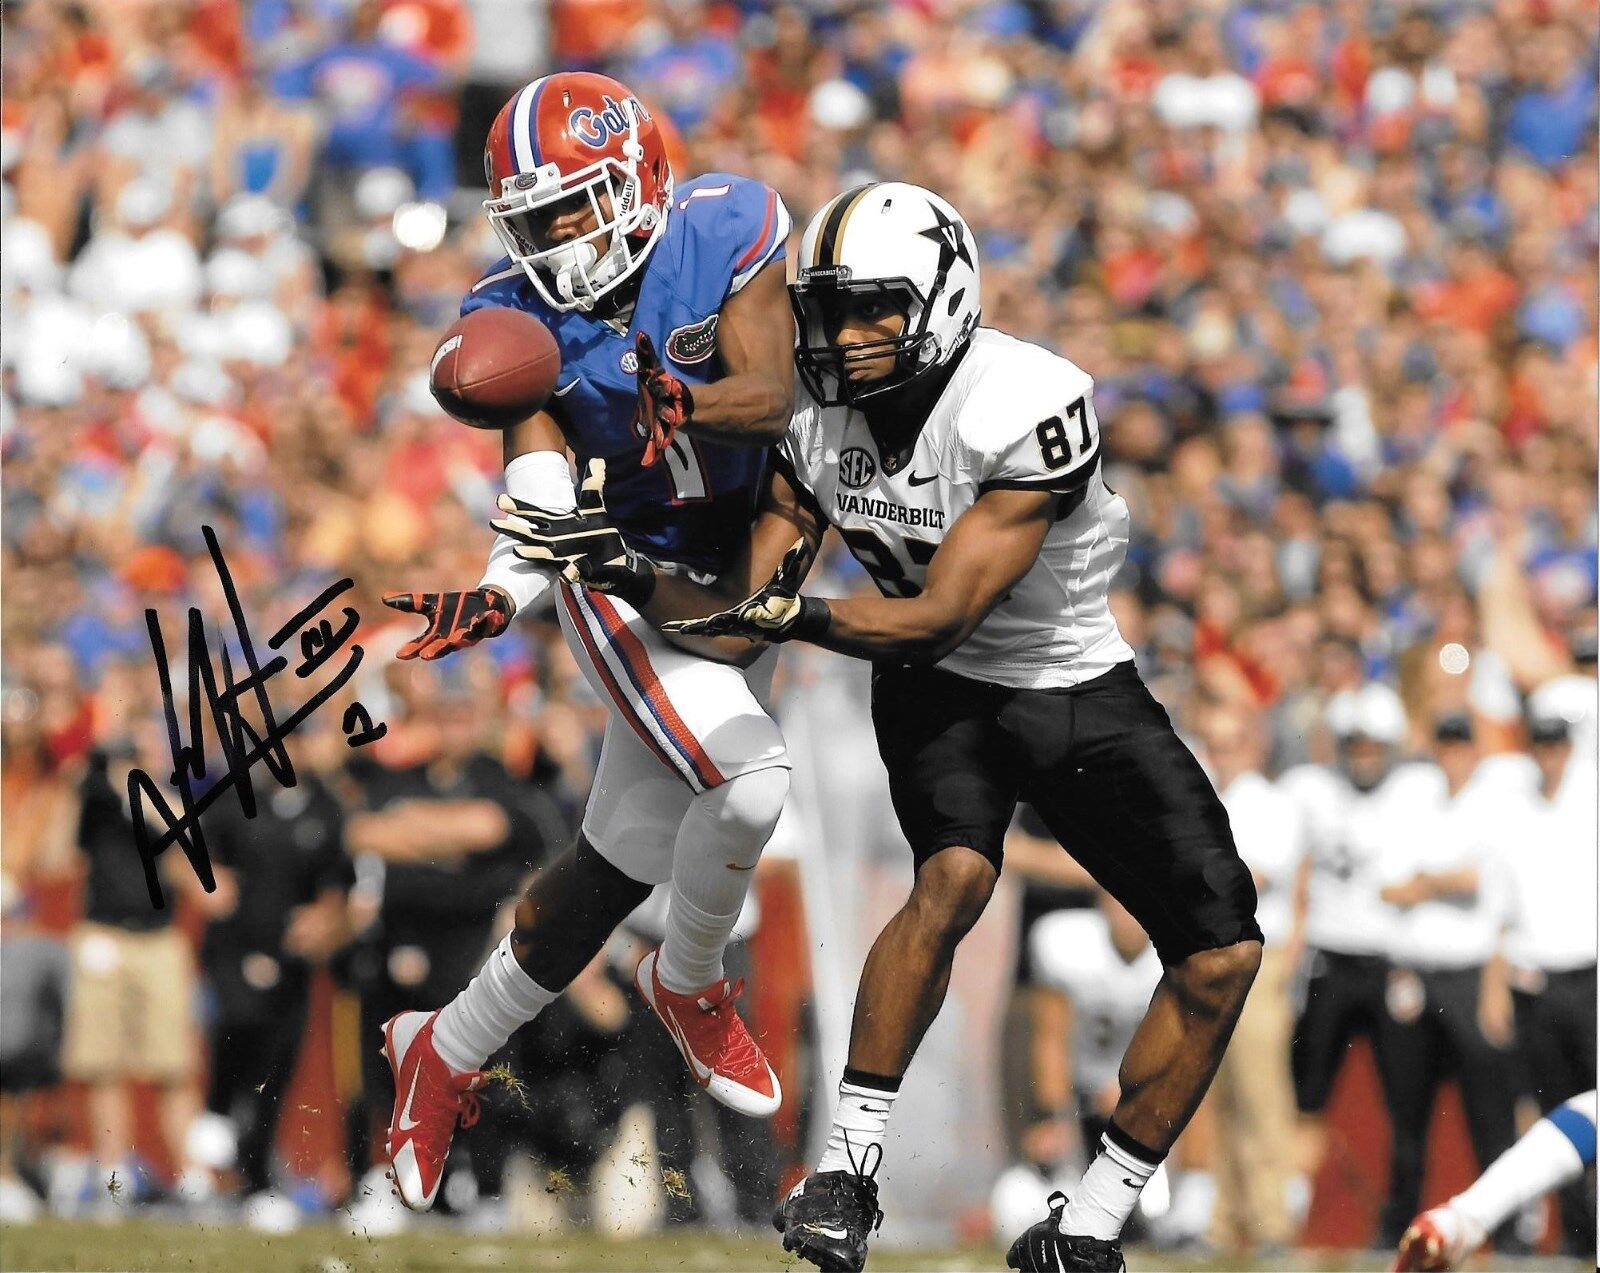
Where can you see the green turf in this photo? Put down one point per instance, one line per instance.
(145, 1246)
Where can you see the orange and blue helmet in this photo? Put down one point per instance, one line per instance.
(560, 141)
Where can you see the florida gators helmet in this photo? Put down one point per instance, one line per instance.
(560, 142)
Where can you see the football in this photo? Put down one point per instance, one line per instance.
(494, 368)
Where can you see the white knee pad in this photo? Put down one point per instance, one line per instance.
(745, 809)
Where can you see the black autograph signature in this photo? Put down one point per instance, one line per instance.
(243, 747)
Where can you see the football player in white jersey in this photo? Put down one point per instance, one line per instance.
(962, 469)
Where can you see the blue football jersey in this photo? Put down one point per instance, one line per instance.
(695, 506)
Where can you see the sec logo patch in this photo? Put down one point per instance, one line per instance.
(857, 468)
(630, 363)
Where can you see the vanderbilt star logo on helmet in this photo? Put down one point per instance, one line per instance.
(948, 237)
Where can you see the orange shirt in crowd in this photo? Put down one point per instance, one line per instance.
(1476, 302)
(440, 33)
(584, 31)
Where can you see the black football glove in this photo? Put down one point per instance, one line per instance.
(582, 546)
(774, 612)
(455, 619)
(665, 403)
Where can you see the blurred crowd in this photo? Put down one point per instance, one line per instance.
(1332, 266)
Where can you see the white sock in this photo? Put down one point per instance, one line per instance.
(1547, 1156)
(859, 1120)
(1108, 1192)
(495, 1004)
(713, 860)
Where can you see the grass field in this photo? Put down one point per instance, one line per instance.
(146, 1246)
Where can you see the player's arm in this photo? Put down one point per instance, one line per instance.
(783, 521)
(753, 401)
(988, 550)
(755, 340)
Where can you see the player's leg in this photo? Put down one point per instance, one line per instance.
(1553, 1152)
(1115, 784)
(705, 723)
(954, 792)
(561, 922)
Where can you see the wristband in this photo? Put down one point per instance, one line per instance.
(544, 479)
(814, 621)
(520, 580)
(644, 586)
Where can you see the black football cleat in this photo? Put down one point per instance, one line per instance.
(1045, 1249)
(829, 1215)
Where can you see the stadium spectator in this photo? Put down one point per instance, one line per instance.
(361, 83)
(130, 1015)
(1450, 1005)
(1551, 855)
(1260, 1192)
(1354, 818)
(289, 874)
(441, 839)
(260, 145)
(1342, 328)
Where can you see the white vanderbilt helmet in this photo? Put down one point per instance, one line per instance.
(895, 240)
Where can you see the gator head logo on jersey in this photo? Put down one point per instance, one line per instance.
(579, 185)
(693, 343)
(856, 468)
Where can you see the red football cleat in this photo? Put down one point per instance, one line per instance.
(719, 1051)
(1435, 1240)
(429, 1099)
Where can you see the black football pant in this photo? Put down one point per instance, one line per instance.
(1556, 1037)
(255, 1044)
(1443, 1040)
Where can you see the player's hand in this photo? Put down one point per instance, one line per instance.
(582, 546)
(774, 612)
(455, 619)
(665, 403)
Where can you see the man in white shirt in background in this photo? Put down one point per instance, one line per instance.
(1449, 1004)
(1253, 1094)
(1573, 695)
(1352, 810)
(1550, 860)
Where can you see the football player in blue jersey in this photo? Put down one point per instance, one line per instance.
(669, 309)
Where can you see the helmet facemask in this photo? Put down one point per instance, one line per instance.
(576, 273)
(820, 299)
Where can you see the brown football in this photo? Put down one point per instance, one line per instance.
(494, 368)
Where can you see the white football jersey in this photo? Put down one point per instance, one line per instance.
(1014, 416)
(1353, 836)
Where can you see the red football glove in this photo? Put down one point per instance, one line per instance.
(455, 619)
(665, 403)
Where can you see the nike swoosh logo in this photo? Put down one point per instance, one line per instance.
(562, 391)
(838, 1235)
(916, 479)
(701, 1071)
(406, 1122)
(734, 866)
(1132, 1184)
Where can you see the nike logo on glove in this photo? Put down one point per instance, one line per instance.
(916, 479)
